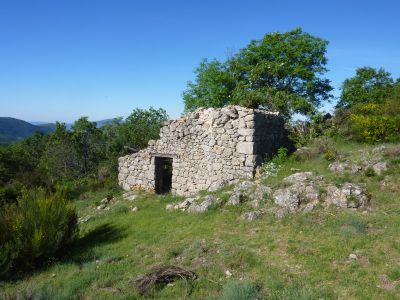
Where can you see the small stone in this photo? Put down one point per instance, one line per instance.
(380, 167)
(228, 273)
(353, 256)
(251, 215)
(104, 201)
(235, 199)
(169, 207)
(53, 275)
(129, 196)
(204, 205)
(134, 209)
(101, 206)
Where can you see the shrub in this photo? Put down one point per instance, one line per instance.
(304, 132)
(373, 123)
(34, 229)
(369, 172)
(326, 147)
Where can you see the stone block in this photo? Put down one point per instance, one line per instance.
(245, 147)
(246, 131)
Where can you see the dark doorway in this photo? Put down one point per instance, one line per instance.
(163, 176)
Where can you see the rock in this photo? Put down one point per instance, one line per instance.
(308, 208)
(298, 177)
(105, 201)
(235, 199)
(101, 206)
(134, 209)
(260, 192)
(169, 207)
(257, 197)
(204, 205)
(309, 193)
(282, 212)
(353, 256)
(348, 196)
(342, 167)
(380, 167)
(83, 219)
(251, 215)
(228, 273)
(337, 167)
(129, 196)
(185, 204)
(287, 198)
(244, 186)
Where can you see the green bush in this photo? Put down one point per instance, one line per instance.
(34, 230)
(373, 123)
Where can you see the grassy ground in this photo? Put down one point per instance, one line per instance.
(303, 256)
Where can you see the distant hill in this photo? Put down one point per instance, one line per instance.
(13, 130)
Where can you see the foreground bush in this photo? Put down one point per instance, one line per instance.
(34, 230)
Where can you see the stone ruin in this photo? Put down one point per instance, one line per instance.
(204, 150)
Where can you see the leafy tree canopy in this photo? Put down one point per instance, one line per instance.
(369, 85)
(282, 71)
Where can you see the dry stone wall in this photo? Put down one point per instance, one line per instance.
(209, 148)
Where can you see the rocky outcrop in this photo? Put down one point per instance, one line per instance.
(304, 193)
(347, 196)
(369, 160)
(299, 192)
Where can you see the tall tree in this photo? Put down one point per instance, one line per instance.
(369, 85)
(60, 158)
(89, 143)
(141, 126)
(282, 71)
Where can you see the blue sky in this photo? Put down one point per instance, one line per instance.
(63, 59)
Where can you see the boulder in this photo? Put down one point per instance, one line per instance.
(298, 177)
(235, 199)
(129, 196)
(348, 196)
(204, 205)
(287, 198)
(380, 167)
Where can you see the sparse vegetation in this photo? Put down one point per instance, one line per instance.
(301, 256)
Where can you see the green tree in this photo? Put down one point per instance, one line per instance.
(89, 143)
(369, 85)
(282, 71)
(141, 126)
(60, 158)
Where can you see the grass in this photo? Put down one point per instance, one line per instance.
(303, 256)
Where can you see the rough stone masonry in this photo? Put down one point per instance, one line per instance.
(204, 150)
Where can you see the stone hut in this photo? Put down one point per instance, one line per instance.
(204, 150)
